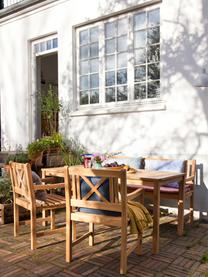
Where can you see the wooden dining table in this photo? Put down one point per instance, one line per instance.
(156, 179)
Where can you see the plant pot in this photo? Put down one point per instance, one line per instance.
(6, 213)
(37, 158)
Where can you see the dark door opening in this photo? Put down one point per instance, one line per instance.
(48, 88)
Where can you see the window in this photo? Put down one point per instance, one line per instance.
(118, 60)
(46, 45)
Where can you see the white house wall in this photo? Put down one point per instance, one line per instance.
(180, 130)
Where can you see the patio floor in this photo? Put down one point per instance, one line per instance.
(178, 257)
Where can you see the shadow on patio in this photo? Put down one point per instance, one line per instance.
(179, 256)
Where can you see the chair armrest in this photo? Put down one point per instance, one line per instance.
(48, 179)
(49, 186)
(135, 193)
(190, 178)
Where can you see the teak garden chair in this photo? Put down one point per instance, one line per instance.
(24, 196)
(167, 192)
(98, 197)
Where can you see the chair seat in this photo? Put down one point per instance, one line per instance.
(52, 200)
(163, 189)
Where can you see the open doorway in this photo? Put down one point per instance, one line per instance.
(47, 83)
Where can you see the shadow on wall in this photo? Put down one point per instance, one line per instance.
(181, 53)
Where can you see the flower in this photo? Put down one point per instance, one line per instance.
(99, 158)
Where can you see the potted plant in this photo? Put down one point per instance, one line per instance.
(6, 206)
(35, 151)
(19, 157)
(72, 151)
(50, 107)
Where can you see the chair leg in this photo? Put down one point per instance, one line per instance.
(33, 229)
(74, 231)
(52, 214)
(91, 237)
(180, 217)
(123, 263)
(44, 214)
(138, 249)
(68, 240)
(191, 209)
(16, 220)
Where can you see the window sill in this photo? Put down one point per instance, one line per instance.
(158, 105)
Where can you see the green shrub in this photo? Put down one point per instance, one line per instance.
(72, 150)
(20, 157)
(5, 190)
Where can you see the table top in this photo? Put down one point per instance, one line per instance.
(140, 174)
(154, 175)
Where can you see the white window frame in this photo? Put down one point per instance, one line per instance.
(131, 105)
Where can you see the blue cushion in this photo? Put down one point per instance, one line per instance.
(130, 161)
(103, 189)
(162, 165)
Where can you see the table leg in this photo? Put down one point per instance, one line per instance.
(156, 218)
(181, 208)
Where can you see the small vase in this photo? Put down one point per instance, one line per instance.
(97, 165)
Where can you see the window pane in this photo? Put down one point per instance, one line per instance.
(94, 96)
(139, 21)
(139, 39)
(37, 47)
(122, 76)
(94, 34)
(84, 82)
(110, 46)
(55, 43)
(110, 29)
(153, 35)
(122, 44)
(153, 89)
(140, 73)
(153, 54)
(140, 56)
(122, 60)
(94, 65)
(110, 78)
(122, 26)
(83, 37)
(153, 71)
(49, 44)
(122, 93)
(42, 46)
(110, 62)
(110, 95)
(83, 67)
(94, 81)
(83, 52)
(140, 91)
(154, 17)
(94, 50)
(83, 97)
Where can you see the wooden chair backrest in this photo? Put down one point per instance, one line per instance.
(116, 200)
(189, 165)
(21, 177)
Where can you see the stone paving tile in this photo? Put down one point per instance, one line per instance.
(178, 257)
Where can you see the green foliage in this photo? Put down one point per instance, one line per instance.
(50, 106)
(71, 151)
(44, 144)
(34, 148)
(5, 190)
(204, 258)
(19, 157)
